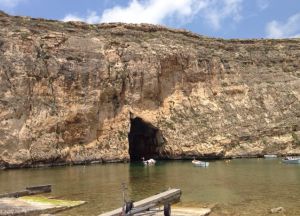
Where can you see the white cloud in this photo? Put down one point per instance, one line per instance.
(262, 4)
(219, 10)
(290, 29)
(71, 17)
(153, 11)
(161, 11)
(91, 18)
(10, 3)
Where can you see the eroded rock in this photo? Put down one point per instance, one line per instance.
(66, 90)
(277, 210)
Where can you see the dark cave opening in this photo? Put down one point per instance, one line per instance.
(145, 140)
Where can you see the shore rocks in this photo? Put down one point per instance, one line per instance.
(34, 205)
(277, 210)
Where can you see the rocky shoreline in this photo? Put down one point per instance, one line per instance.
(87, 163)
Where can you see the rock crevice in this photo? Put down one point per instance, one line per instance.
(145, 140)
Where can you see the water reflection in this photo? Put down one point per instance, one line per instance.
(241, 187)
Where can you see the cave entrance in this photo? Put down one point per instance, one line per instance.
(145, 140)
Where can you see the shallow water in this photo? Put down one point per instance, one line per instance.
(238, 187)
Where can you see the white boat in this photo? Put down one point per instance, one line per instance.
(200, 163)
(149, 162)
(291, 160)
(270, 156)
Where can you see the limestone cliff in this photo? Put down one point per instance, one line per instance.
(67, 90)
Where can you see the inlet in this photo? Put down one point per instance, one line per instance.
(145, 140)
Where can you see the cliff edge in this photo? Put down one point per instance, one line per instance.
(78, 93)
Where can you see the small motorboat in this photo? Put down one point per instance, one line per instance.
(200, 163)
(291, 160)
(270, 156)
(149, 162)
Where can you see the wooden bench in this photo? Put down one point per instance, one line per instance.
(165, 198)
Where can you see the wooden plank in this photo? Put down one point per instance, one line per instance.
(141, 209)
(29, 191)
(15, 194)
(39, 189)
(169, 196)
(160, 198)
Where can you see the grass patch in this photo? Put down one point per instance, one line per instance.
(296, 139)
(47, 201)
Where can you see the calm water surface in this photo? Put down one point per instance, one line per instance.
(238, 187)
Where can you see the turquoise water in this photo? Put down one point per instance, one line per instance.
(236, 187)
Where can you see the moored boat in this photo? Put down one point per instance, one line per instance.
(291, 160)
(149, 162)
(270, 156)
(200, 163)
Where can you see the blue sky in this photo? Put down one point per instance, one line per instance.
(215, 18)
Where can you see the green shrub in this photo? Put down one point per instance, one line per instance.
(296, 138)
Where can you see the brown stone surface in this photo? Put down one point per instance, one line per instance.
(34, 206)
(66, 90)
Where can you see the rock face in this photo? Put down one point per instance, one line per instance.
(67, 90)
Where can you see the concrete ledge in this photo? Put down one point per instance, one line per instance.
(34, 205)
